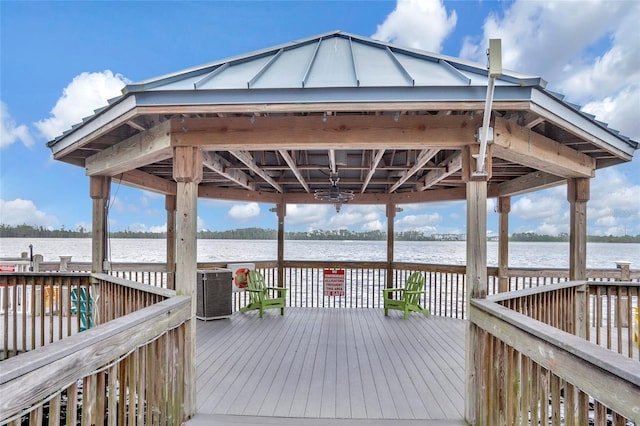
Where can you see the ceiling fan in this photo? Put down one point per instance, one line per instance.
(334, 194)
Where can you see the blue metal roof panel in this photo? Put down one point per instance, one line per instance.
(333, 65)
(289, 70)
(340, 67)
(377, 68)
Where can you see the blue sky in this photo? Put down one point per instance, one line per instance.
(61, 60)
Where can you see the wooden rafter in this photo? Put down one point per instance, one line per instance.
(530, 182)
(223, 167)
(294, 169)
(372, 169)
(424, 156)
(139, 150)
(524, 146)
(247, 159)
(447, 167)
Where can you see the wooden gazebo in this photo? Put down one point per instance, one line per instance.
(394, 125)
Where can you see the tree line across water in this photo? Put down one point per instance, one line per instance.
(28, 231)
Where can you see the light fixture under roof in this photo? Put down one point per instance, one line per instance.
(334, 194)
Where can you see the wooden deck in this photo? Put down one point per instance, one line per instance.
(330, 366)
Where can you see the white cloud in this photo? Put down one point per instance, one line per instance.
(19, 212)
(366, 217)
(614, 208)
(10, 132)
(542, 204)
(158, 228)
(87, 92)
(424, 223)
(307, 215)
(244, 212)
(420, 24)
(589, 53)
(619, 111)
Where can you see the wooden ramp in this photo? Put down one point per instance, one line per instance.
(315, 364)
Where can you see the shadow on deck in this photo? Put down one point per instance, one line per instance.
(330, 366)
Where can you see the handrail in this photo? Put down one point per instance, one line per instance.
(606, 376)
(26, 380)
(158, 291)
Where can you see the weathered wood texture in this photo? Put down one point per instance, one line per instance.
(546, 360)
(332, 364)
(37, 310)
(99, 189)
(114, 348)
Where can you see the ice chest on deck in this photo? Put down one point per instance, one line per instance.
(213, 294)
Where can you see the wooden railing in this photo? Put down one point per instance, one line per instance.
(445, 285)
(528, 370)
(39, 309)
(614, 310)
(127, 368)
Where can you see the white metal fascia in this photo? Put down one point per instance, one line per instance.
(93, 124)
(575, 122)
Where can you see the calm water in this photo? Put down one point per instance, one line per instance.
(533, 255)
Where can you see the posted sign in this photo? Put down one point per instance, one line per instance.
(334, 282)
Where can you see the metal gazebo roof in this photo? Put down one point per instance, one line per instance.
(317, 90)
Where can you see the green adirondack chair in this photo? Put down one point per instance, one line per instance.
(262, 297)
(409, 296)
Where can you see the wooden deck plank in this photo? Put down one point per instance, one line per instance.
(331, 363)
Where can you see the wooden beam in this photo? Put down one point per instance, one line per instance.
(247, 159)
(311, 132)
(447, 167)
(217, 193)
(531, 182)
(144, 148)
(423, 158)
(224, 168)
(294, 169)
(524, 146)
(146, 181)
(372, 169)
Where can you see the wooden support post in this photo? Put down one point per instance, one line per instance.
(99, 187)
(281, 211)
(578, 193)
(170, 206)
(504, 207)
(187, 172)
(476, 362)
(391, 217)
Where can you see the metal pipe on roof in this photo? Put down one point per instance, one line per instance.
(495, 70)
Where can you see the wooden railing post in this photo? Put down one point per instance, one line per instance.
(623, 302)
(391, 217)
(504, 207)
(170, 206)
(281, 211)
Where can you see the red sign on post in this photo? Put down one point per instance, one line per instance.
(334, 282)
(7, 268)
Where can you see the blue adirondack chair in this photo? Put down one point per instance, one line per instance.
(82, 306)
(409, 296)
